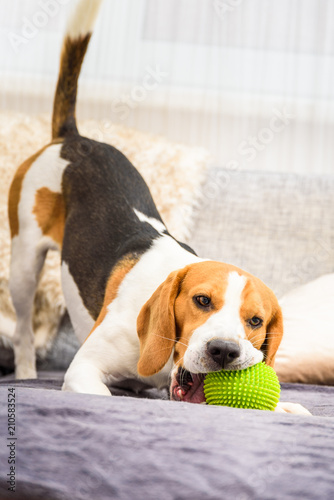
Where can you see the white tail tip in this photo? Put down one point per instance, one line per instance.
(83, 18)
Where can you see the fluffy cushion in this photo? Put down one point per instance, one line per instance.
(306, 353)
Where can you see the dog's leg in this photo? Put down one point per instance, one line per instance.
(26, 264)
(86, 373)
(36, 215)
(109, 355)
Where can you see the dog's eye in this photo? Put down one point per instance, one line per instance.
(203, 300)
(255, 321)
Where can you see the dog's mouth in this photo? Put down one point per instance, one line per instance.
(188, 386)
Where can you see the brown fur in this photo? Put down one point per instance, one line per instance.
(170, 316)
(156, 326)
(117, 276)
(274, 336)
(50, 213)
(259, 300)
(15, 192)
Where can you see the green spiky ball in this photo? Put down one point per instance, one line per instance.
(255, 387)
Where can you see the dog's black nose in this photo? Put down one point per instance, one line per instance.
(223, 352)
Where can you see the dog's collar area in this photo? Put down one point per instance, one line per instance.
(188, 386)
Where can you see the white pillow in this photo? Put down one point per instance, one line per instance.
(306, 353)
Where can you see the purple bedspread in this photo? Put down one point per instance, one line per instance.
(72, 446)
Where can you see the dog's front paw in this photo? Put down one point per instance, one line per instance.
(84, 378)
(294, 408)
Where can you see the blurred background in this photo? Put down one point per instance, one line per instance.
(250, 80)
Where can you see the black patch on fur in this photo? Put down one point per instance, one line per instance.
(101, 187)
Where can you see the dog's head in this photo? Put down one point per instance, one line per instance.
(210, 316)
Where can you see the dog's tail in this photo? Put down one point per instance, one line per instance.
(76, 40)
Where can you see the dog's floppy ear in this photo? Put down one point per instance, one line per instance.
(274, 334)
(156, 326)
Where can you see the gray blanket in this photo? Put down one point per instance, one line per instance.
(72, 446)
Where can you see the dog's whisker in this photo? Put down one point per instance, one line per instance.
(259, 337)
(173, 340)
(161, 349)
(269, 334)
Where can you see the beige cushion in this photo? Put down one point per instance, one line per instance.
(306, 353)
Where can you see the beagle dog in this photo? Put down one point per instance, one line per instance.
(143, 304)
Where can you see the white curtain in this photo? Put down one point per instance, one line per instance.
(250, 80)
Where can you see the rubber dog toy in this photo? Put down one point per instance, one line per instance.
(256, 387)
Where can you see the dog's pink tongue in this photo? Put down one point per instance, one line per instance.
(196, 391)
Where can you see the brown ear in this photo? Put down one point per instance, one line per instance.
(156, 326)
(274, 335)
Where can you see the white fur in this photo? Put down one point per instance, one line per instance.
(111, 352)
(83, 18)
(158, 226)
(80, 318)
(226, 324)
